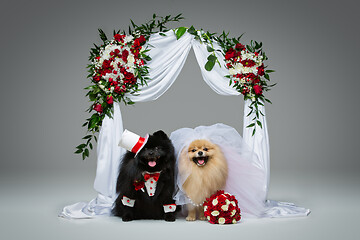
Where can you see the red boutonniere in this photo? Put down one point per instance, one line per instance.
(138, 185)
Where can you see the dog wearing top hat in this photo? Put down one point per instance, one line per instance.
(146, 178)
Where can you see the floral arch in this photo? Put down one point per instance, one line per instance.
(158, 58)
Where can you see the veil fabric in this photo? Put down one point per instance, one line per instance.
(246, 175)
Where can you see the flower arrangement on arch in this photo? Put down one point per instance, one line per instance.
(247, 71)
(117, 68)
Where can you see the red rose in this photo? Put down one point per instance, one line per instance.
(142, 39)
(119, 37)
(109, 100)
(125, 54)
(96, 78)
(136, 43)
(98, 108)
(257, 89)
(261, 70)
(248, 63)
(231, 53)
(106, 64)
(239, 46)
(256, 80)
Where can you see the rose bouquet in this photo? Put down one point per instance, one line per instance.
(222, 208)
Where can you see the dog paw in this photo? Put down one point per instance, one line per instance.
(190, 218)
(202, 218)
(169, 218)
(127, 218)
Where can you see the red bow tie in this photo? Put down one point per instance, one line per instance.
(147, 176)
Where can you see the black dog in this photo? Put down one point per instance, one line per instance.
(146, 182)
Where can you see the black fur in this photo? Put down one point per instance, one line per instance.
(158, 147)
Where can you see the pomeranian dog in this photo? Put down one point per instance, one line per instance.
(146, 182)
(207, 170)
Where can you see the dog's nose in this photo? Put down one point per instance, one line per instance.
(200, 153)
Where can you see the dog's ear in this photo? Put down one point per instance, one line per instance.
(160, 134)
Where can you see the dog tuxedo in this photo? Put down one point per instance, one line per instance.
(150, 183)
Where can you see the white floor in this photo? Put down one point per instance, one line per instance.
(29, 205)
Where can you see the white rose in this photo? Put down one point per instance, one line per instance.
(232, 71)
(128, 38)
(225, 207)
(233, 213)
(131, 59)
(221, 220)
(214, 202)
(234, 221)
(215, 213)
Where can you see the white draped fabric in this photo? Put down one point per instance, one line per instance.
(168, 57)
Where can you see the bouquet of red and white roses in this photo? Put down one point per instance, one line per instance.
(118, 66)
(222, 208)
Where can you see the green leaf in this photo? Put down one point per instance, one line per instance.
(86, 152)
(212, 58)
(162, 34)
(133, 24)
(268, 100)
(79, 151)
(209, 65)
(250, 125)
(92, 97)
(180, 31)
(81, 146)
(210, 49)
(269, 71)
(259, 123)
(253, 133)
(249, 48)
(87, 137)
(192, 30)
(91, 146)
(267, 76)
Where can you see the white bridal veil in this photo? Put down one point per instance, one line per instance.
(248, 156)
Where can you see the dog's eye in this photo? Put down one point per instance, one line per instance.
(205, 149)
(194, 150)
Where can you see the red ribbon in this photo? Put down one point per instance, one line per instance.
(156, 176)
(138, 145)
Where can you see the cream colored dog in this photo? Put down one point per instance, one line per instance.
(208, 173)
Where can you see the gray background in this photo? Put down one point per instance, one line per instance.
(313, 122)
